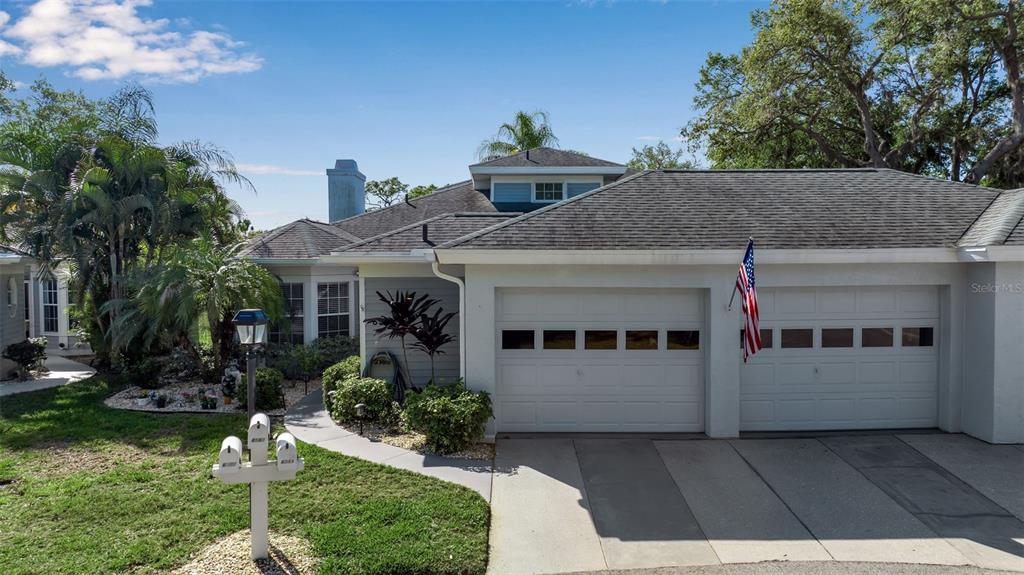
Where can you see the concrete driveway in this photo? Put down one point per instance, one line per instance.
(563, 505)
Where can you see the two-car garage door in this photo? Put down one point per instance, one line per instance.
(632, 360)
(600, 360)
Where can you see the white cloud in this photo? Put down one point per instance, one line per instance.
(275, 170)
(108, 39)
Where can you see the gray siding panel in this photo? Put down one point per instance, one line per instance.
(512, 193)
(447, 365)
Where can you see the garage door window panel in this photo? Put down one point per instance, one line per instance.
(601, 339)
(683, 339)
(517, 339)
(767, 338)
(832, 337)
(797, 338)
(564, 339)
(876, 337)
(642, 339)
(918, 337)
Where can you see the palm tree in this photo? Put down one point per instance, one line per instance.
(200, 286)
(110, 202)
(527, 131)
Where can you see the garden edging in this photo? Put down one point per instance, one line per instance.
(308, 421)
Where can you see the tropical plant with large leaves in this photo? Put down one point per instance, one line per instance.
(526, 131)
(431, 336)
(406, 311)
(198, 288)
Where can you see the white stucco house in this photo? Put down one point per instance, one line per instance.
(595, 299)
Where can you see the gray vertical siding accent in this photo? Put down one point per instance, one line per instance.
(576, 188)
(513, 192)
(12, 329)
(419, 363)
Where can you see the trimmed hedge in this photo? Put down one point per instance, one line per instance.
(347, 368)
(374, 393)
(451, 416)
(269, 394)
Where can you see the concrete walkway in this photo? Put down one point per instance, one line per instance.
(308, 421)
(563, 505)
(62, 372)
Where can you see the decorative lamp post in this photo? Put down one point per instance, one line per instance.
(251, 325)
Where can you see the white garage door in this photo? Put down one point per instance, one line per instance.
(844, 358)
(599, 360)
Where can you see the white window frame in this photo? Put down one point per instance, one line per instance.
(348, 311)
(43, 290)
(300, 313)
(559, 183)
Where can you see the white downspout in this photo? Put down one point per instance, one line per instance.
(462, 311)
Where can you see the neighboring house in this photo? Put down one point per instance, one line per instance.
(13, 303)
(888, 300)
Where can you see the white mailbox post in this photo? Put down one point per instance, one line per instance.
(258, 472)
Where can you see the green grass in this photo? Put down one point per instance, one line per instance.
(136, 496)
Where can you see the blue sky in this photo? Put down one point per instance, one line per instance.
(407, 89)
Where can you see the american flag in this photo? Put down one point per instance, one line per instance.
(745, 285)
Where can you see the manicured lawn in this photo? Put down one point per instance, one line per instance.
(88, 489)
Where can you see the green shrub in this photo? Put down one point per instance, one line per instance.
(334, 349)
(374, 393)
(347, 368)
(145, 373)
(268, 390)
(27, 354)
(451, 416)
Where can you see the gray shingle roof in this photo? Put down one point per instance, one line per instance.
(440, 229)
(996, 224)
(1017, 235)
(300, 239)
(719, 209)
(460, 197)
(547, 157)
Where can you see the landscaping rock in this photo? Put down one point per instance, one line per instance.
(186, 397)
(230, 556)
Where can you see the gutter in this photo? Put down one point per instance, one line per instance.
(462, 310)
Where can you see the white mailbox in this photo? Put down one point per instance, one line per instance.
(259, 431)
(230, 459)
(287, 456)
(258, 472)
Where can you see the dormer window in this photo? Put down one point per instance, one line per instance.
(548, 192)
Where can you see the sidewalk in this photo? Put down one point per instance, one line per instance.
(308, 421)
(62, 372)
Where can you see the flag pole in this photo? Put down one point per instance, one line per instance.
(736, 286)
